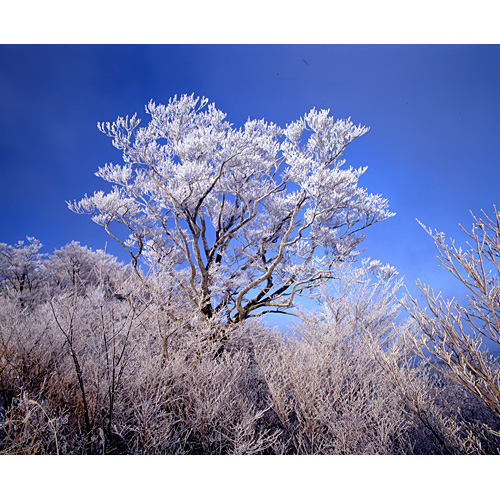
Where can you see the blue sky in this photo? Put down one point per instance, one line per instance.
(432, 149)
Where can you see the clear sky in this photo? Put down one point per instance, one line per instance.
(432, 148)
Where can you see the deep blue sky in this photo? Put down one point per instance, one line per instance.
(432, 149)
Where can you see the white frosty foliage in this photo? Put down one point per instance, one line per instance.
(242, 219)
(19, 263)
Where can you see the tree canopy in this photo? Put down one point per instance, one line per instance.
(241, 221)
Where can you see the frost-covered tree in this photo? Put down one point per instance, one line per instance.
(20, 266)
(451, 334)
(242, 221)
(78, 267)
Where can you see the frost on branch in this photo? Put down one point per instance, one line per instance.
(242, 220)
